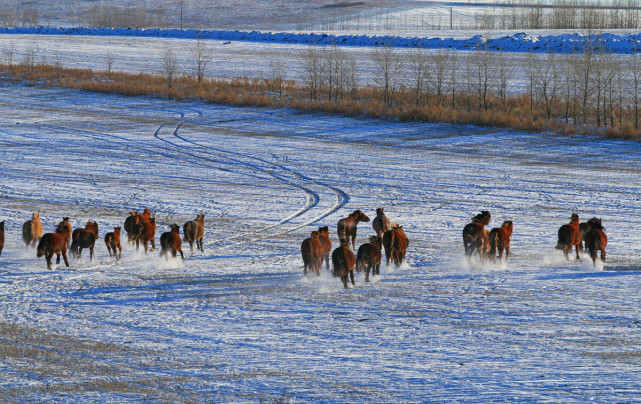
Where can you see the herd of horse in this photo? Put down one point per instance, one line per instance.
(486, 244)
(389, 236)
(140, 229)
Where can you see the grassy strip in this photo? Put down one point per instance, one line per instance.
(515, 112)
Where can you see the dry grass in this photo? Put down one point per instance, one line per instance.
(515, 112)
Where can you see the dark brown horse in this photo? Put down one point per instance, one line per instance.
(195, 231)
(84, 238)
(131, 223)
(323, 236)
(369, 257)
(395, 243)
(500, 240)
(1, 236)
(65, 221)
(170, 242)
(32, 230)
(585, 227)
(472, 231)
(380, 224)
(596, 240)
(346, 228)
(312, 251)
(569, 235)
(145, 233)
(344, 261)
(54, 243)
(112, 241)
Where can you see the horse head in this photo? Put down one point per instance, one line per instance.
(359, 216)
(315, 234)
(379, 212)
(174, 227)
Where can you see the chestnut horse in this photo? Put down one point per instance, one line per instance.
(596, 240)
(380, 224)
(84, 238)
(323, 236)
(346, 228)
(500, 240)
(195, 231)
(65, 221)
(1, 236)
(112, 241)
(170, 241)
(369, 257)
(395, 243)
(472, 231)
(344, 261)
(32, 230)
(54, 243)
(569, 235)
(312, 251)
(145, 233)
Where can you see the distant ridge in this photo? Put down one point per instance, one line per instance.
(518, 42)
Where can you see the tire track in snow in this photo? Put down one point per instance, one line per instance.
(341, 197)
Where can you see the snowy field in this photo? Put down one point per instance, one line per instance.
(240, 322)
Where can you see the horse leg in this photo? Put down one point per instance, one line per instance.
(153, 245)
(181, 254)
(64, 256)
(57, 258)
(202, 249)
(90, 253)
(191, 245)
(109, 249)
(577, 252)
(351, 275)
(344, 279)
(603, 254)
(48, 257)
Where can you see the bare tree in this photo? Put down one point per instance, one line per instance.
(635, 66)
(483, 75)
(504, 73)
(313, 67)
(419, 73)
(441, 62)
(389, 68)
(202, 57)
(170, 66)
(29, 59)
(547, 81)
(277, 72)
(454, 71)
(8, 53)
(109, 60)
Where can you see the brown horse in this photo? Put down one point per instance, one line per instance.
(323, 236)
(369, 257)
(170, 241)
(112, 241)
(596, 240)
(54, 243)
(346, 228)
(472, 231)
(65, 221)
(569, 235)
(1, 236)
(395, 242)
(145, 233)
(195, 231)
(380, 224)
(32, 230)
(312, 251)
(84, 238)
(131, 223)
(344, 261)
(500, 240)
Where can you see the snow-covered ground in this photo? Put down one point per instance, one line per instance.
(240, 323)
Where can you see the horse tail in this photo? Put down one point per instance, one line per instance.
(41, 247)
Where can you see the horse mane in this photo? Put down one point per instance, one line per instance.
(375, 239)
(394, 226)
(355, 213)
(35, 216)
(61, 226)
(315, 234)
(379, 212)
(133, 213)
(481, 217)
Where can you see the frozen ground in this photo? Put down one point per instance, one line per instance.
(240, 323)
